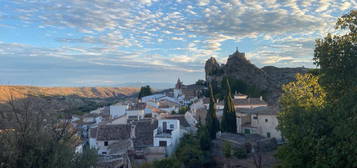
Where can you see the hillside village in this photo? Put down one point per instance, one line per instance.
(137, 131)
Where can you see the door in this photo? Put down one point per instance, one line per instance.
(162, 143)
(164, 126)
(268, 134)
(247, 131)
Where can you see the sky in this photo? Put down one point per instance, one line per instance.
(111, 42)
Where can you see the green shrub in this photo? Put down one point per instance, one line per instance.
(240, 153)
(227, 149)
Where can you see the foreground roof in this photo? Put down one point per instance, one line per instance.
(113, 132)
(144, 132)
(269, 110)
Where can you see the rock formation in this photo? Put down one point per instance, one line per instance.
(268, 78)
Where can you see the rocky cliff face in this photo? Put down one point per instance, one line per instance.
(268, 78)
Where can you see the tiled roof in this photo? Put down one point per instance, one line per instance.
(93, 132)
(206, 100)
(180, 117)
(144, 132)
(270, 110)
(248, 101)
(137, 106)
(240, 94)
(167, 104)
(113, 132)
(120, 147)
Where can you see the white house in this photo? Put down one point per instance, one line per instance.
(154, 97)
(168, 106)
(104, 137)
(119, 120)
(240, 101)
(136, 111)
(97, 111)
(117, 110)
(167, 134)
(260, 120)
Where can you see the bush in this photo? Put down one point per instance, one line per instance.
(183, 110)
(240, 153)
(227, 149)
(167, 163)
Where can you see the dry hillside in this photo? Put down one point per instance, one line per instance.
(87, 92)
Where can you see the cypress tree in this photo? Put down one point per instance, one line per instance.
(144, 91)
(211, 118)
(229, 123)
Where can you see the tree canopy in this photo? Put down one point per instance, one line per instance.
(144, 91)
(211, 119)
(318, 115)
(229, 123)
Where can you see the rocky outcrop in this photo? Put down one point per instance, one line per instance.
(268, 78)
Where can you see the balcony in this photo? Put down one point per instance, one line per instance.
(160, 133)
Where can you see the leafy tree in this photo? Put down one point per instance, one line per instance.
(337, 56)
(144, 91)
(319, 113)
(211, 118)
(201, 82)
(229, 123)
(190, 154)
(301, 120)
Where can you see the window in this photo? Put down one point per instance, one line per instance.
(266, 120)
(255, 117)
(268, 134)
(172, 126)
(247, 131)
(164, 125)
(162, 143)
(104, 153)
(105, 143)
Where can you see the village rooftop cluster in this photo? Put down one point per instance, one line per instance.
(150, 128)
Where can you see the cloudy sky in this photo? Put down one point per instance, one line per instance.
(108, 42)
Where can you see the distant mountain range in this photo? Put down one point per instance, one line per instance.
(154, 85)
(85, 92)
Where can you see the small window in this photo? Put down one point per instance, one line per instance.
(255, 117)
(162, 143)
(266, 120)
(268, 134)
(172, 126)
(105, 143)
(104, 153)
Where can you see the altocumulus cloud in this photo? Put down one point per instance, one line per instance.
(177, 36)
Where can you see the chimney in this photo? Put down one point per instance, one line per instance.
(132, 131)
